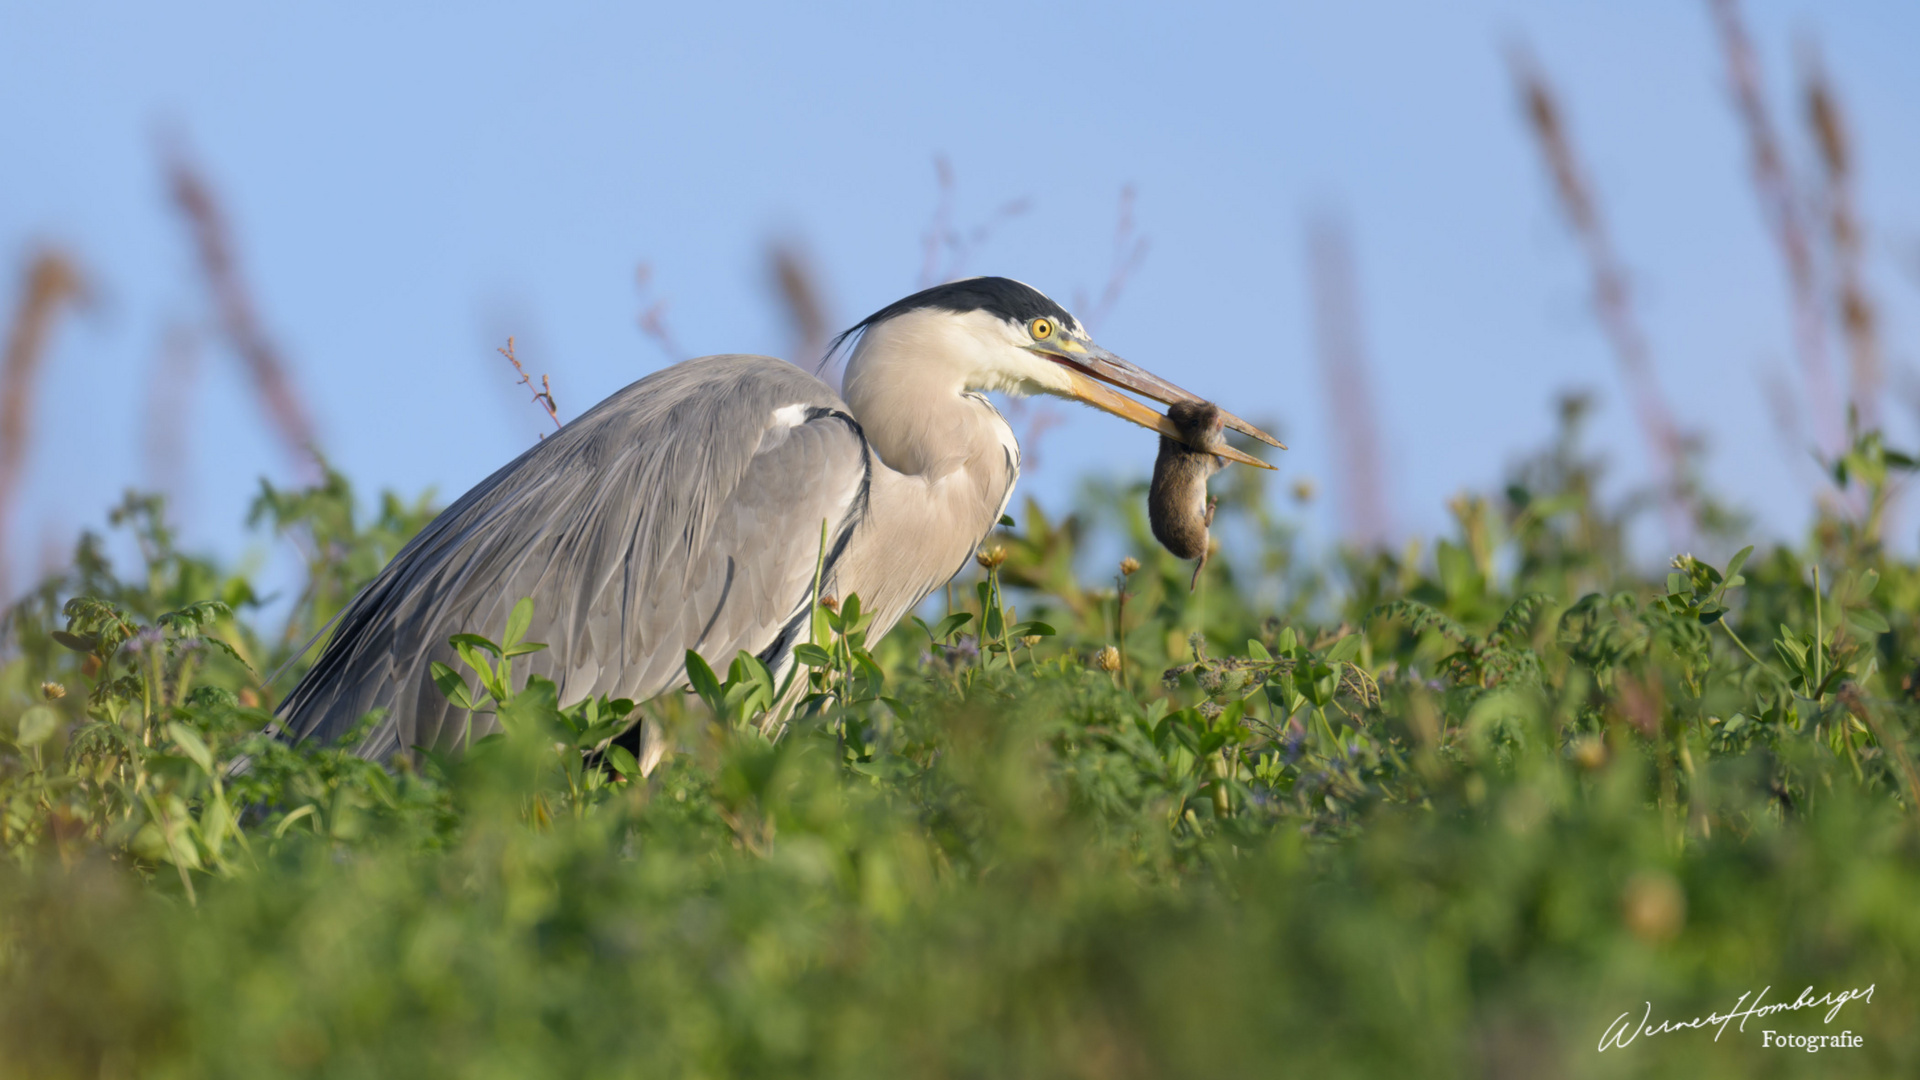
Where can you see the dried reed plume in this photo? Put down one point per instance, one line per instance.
(1612, 299)
(944, 249)
(1859, 320)
(796, 284)
(1037, 416)
(1343, 364)
(653, 315)
(51, 281)
(238, 318)
(168, 402)
(542, 397)
(1781, 205)
(1129, 252)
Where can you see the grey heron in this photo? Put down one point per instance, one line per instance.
(685, 512)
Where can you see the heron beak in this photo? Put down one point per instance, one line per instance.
(1091, 368)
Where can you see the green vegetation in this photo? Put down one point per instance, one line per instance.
(1436, 814)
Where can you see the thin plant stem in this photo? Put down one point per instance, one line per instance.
(819, 569)
(1762, 664)
(1819, 635)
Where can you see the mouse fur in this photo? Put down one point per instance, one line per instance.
(1178, 506)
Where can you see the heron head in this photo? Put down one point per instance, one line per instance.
(995, 333)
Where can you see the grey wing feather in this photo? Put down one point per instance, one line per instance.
(684, 512)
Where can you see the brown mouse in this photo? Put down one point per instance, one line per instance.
(1178, 506)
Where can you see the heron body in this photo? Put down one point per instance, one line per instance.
(686, 512)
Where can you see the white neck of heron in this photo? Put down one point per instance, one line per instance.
(914, 384)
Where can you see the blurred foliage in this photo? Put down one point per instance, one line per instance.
(1446, 811)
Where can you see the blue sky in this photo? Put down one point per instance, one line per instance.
(408, 186)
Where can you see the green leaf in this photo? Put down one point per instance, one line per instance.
(1791, 649)
(1257, 651)
(1180, 725)
(99, 619)
(1033, 628)
(192, 620)
(286, 823)
(519, 620)
(1288, 641)
(755, 670)
(525, 647)
(1868, 621)
(1344, 650)
(749, 684)
(229, 650)
(1006, 520)
(1455, 564)
(535, 710)
(702, 679)
(623, 762)
(37, 725)
(1229, 718)
(951, 623)
(480, 664)
(1285, 697)
(473, 641)
(80, 643)
(850, 612)
(212, 697)
(190, 743)
(452, 685)
(812, 656)
(1739, 559)
(594, 734)
(1316, 682)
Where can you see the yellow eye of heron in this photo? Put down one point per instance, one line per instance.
(1041, 329)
